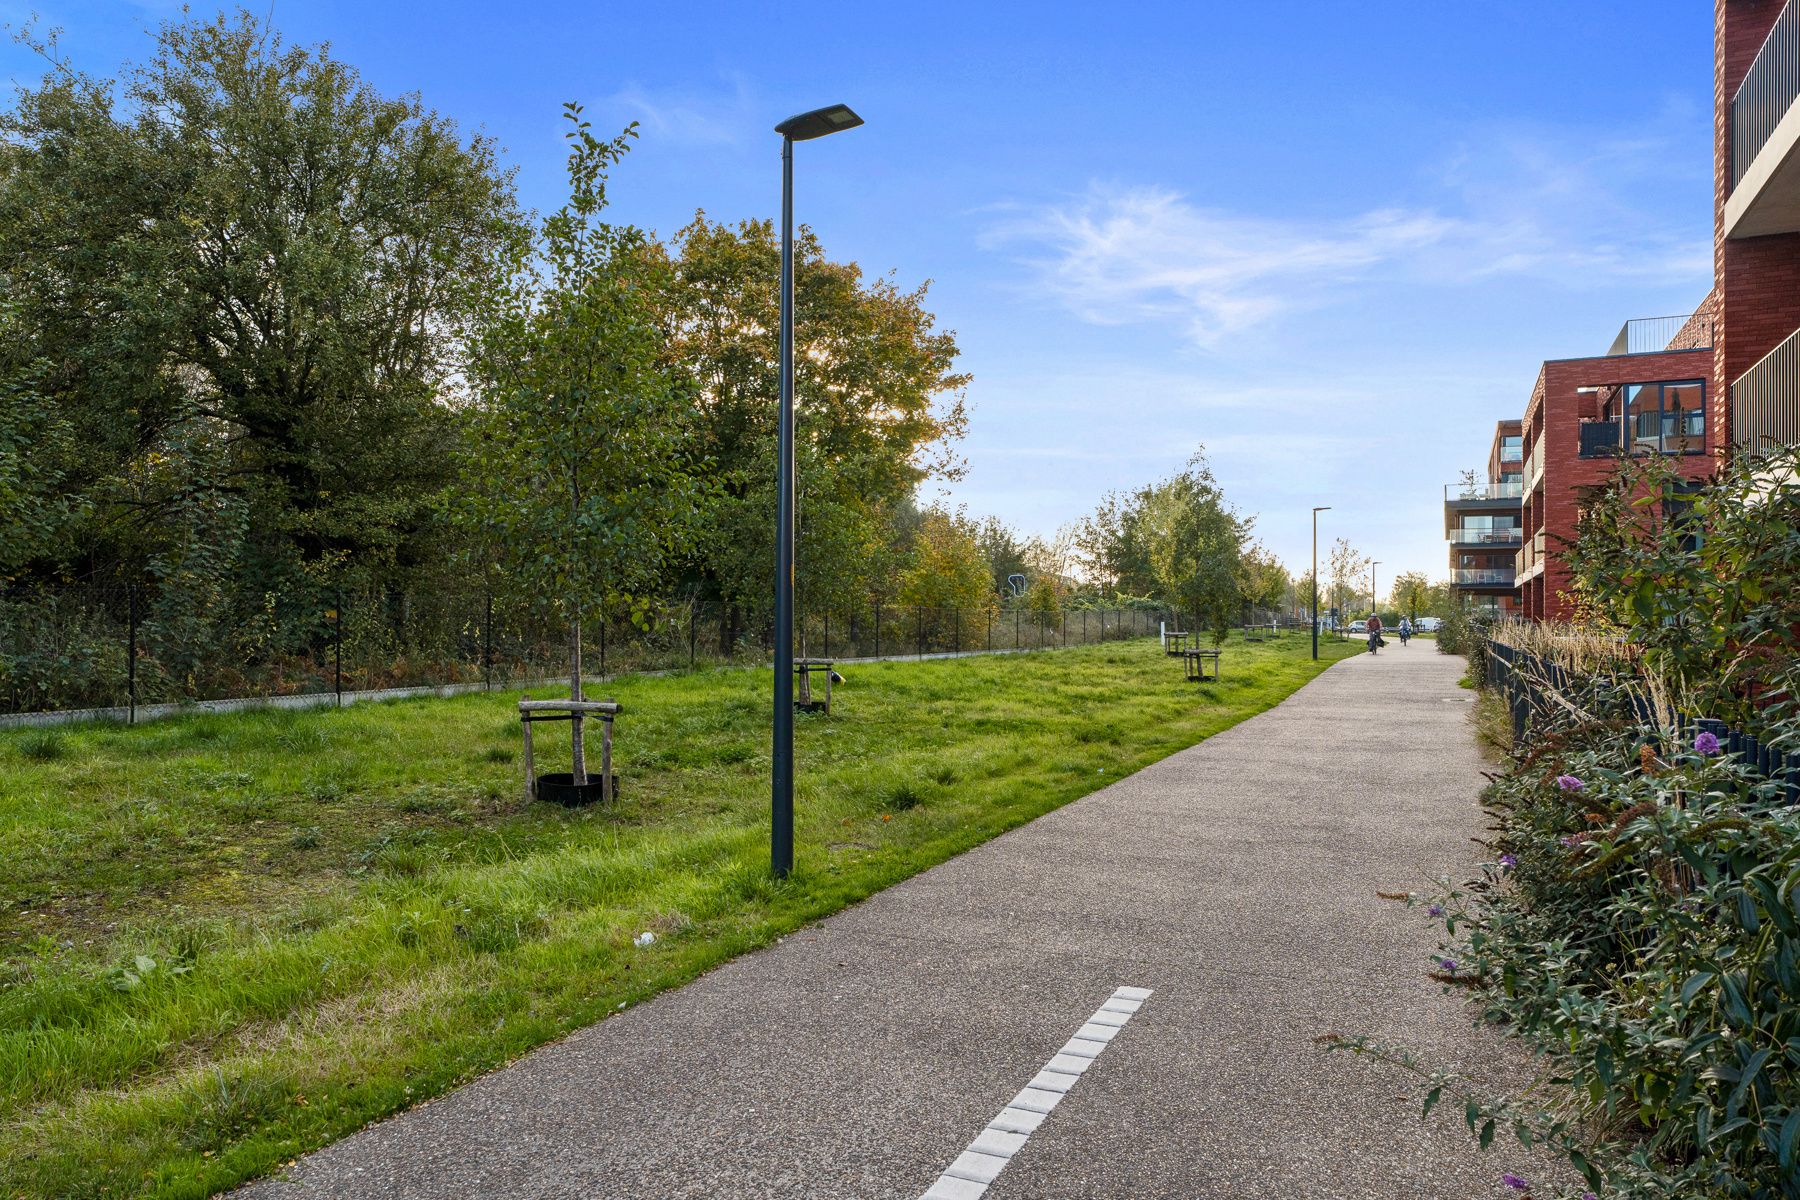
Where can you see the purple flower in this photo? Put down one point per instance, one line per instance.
(1706, 743)
(1449, 965)
(1569, 840)
(1569, 783)
(1514, 1182)
(1436, 910)
(1508, 862)
(1589, 1196)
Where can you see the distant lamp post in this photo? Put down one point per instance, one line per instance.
(1315, 578)
(803, 128)
(1374, 604)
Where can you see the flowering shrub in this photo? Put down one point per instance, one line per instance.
(1640, 926)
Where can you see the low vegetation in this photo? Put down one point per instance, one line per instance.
(226, 939)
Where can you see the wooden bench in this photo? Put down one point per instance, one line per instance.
(573, 711)
(804, 669)
(1197, 661)
(1174, 644)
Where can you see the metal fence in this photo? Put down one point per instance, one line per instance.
(1768, 91)
(117, 648)
(1765, 401)
(1529, 686)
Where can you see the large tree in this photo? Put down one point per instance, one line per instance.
(1196, 546)
(877, 399)
(240, 267)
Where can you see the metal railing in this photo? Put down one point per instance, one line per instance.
(1470, 535)
(1531, 555)
(1511, 488)
(1765, 400)
(1768, 91)
(1471, 576)
(1601, 438)
(1534, 467)
(1512, 454)
(1652, 335)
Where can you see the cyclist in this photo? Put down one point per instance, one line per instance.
(1374, 634)
(1405, 631)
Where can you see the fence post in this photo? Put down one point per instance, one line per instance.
(602, 619)
(921, 631)
(337, 649)
(131, 622)
(827, 638)
(693, 631)
(1015, 629)
(956, 627)
(878, 629)
(487, 644)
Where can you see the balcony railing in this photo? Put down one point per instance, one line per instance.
(1512, 454)
(1765, 400)
(1653, 335)
(1469, 535)
(1531, 554)
(1511, 488)
(1665, 433)
(1534, 466)
(1768, 91)
(1477, 576)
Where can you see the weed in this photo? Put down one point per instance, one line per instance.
(43, 745)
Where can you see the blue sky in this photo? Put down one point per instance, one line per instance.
(1330, 241)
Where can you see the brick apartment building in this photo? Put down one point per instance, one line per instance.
(1722, 380)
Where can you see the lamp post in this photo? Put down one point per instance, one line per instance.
(1374, 604)
(803, 128)
(1315, 578)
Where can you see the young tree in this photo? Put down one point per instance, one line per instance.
(1111, 546)
(1265, 581)
(583, 475)
(1195, 546)
(1349, 568)
(948, 575)
(1412, 592)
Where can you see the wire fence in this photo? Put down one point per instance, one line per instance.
(1532, 687)
(121, 648)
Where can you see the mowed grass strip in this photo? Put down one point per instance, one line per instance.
(228, 939)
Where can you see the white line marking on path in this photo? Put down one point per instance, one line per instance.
(975, 1168)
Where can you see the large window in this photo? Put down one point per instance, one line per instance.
(1512, 448)
(1664, 418)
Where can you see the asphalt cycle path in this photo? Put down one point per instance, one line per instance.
(1120, 999)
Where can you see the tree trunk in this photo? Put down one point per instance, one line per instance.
(579, 769)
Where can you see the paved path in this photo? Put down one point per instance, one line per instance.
(861, 1056)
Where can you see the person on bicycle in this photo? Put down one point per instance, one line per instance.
(1405, 631)
(1374, 628)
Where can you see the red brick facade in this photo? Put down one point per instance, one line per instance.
(1559, 405)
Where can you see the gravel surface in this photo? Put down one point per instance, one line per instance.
(860, 1056)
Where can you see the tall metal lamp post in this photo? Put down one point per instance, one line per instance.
(1374, 604)
(1315, 578)
(803, 128)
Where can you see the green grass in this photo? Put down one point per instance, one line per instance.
(228, 939)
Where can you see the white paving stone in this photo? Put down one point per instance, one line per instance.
(1016, 1120)
(1069, 1064)
(978, 1167)
(1133, 993)
(1033, 1100)
(1082, 1048)
(1109, 1018)
(1096, 1033)
(997, 1142)
(1121, 1006)
(948, 1188)
(1052, 1081)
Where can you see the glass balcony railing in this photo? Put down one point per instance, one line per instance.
(1478, 576)
(1768, 91)
(1652, 335)
(1487, 537)
(1510, 488)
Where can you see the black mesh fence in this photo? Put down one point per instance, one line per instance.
(93, 646)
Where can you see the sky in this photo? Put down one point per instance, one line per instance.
(1329, 242)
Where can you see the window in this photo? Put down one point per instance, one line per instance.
(1664, 418)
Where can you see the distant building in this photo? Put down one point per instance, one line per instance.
(1481, 522)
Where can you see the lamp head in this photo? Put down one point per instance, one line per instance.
(819, 122)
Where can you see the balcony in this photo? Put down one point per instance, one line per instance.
(1483, 576)
(1467, 535)
(1534, 467)
(1531, 558)
(1509, 488)
(1765, 136)
(1665, 433)
(1656, 335)
(1765, 401)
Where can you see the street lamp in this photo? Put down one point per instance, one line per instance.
(1315, 578)
(1374, 604)
(803, 128)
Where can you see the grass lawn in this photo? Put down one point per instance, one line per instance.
(227, 939)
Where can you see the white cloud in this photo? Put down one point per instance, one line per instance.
(1561, 207)
(688, 118)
